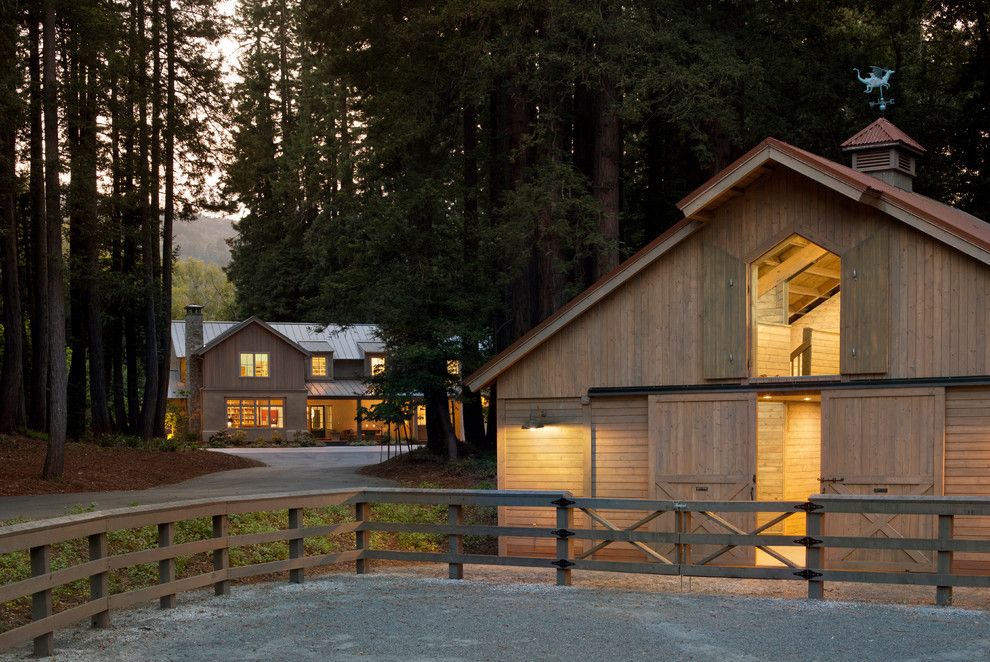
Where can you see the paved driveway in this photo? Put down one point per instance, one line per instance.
(287, 470)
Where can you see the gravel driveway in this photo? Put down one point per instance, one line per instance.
(404, 617)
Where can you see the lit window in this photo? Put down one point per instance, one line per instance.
(319, 366)
(377, 365)
(421, 415)
(254, 365)
(453, 368)
(255, 413)
(182, 370)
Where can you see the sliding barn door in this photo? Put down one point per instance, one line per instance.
(703, 448)
(882, 443)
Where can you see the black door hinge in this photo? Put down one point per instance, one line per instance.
(563, 534)
(808, 541)
(563, 564)
(807, 574)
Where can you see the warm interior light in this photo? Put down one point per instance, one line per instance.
(807, 398)
(767, 397)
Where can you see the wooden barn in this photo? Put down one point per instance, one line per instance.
(808, 327)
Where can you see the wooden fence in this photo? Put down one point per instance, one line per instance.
(667, 550)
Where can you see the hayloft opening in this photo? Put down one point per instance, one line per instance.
(795, 299)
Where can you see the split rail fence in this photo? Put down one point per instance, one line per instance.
(676, 544)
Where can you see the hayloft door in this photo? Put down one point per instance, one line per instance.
(703, 448)
(882, 443)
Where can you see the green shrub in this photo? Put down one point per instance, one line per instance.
(277, 439)
(220, 439)
(304, 438)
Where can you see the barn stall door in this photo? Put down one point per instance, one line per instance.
(882, 443)
(864, 316)
(724, 315)
(703, 448)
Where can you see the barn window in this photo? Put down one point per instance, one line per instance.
(795, 298)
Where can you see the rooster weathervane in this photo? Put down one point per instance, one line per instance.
(878, 80)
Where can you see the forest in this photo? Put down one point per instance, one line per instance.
(453, 171)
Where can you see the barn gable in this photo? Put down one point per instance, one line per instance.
(641, 325)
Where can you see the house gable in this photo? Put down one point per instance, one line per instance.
(221, 359)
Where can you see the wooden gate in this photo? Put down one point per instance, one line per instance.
(882, 442)
(703, 448)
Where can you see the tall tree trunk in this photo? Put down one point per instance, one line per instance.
(471, 407)
(440, 435)
(72, 88)
(164, 332)
(55, 457)
(607, 168)
(149, 239)
(38, 400)
(12, 376)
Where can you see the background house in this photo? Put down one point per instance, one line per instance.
(807, 327)
(279, 378)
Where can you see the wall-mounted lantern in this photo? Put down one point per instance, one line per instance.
(534, 422)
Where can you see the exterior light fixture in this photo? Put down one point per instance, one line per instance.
(767, 396)
(534, 422)
(230, 422)
(807, 398)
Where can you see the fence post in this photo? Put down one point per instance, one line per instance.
(455, 545)
(565, 520)
(682, 524)
(166, 567)
(361, 537)
(814, 554)
(98, 581)
(297, 546)
(221, 557)
(946, 525)
(41, 602)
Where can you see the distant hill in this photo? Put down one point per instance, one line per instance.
(205, 238)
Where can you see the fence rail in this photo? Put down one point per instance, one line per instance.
(645, 534)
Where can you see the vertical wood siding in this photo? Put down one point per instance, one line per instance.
(967, 463)
(286, 364)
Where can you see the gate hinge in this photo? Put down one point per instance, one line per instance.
(563, 534)
(807, 574)
(807, 541)
(563, 564)
(563, 501)
(809, 507)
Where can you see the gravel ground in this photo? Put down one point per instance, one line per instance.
(407, 616)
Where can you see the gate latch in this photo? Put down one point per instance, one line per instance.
(809, 507)
(808, 541)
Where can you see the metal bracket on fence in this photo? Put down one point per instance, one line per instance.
(563, 534)
(563, 501)
(807, 574)
(809, 507)
(563, 564)
(807, 541)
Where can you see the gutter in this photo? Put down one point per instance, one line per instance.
(801, 386)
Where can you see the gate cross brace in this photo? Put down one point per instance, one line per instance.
(632, 527)
(723, 523)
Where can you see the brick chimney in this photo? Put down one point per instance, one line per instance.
(885, 152)
(194, 368)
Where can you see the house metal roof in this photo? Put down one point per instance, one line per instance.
(338, 388)
(344, 342)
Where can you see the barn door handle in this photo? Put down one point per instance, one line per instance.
(831, 480)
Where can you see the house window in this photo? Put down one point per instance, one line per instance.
(251, 413)
(319, 366)
(254, 365)
(454, 368)
(182, 370)
(421, 415)
(377, 365)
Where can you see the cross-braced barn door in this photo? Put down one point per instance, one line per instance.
(877, 443)
(703, 448)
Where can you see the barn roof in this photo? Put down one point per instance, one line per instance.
(881, 133)
(952, 226)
